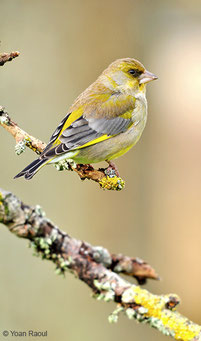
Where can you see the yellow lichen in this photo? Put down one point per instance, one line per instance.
(113, 183)
(182, 328)
(28, 143)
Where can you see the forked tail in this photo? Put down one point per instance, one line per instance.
(32, 169)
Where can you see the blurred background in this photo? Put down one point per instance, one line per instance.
(64, 46)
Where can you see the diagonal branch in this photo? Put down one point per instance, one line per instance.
(22, 219)
(22, 138)
(98, 269)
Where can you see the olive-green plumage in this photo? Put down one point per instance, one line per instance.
(104, 122)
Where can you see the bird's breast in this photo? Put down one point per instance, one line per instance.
(139, 115)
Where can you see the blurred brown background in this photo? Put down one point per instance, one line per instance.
(64, 46)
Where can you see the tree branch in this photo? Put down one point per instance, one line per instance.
(22, 138)
(99, 269)
(7, 57)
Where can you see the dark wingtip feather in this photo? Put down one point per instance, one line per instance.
(31, 169)
(18, 175)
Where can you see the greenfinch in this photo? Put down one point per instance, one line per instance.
(104, 122)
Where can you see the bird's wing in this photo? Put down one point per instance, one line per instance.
(90, 123)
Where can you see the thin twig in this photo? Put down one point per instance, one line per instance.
(7, 57)
(20, 136)
(98, 268)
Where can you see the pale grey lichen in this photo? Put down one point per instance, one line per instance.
(54, 234)
(40, 211)
(127, 296)
(110, 172)
(102, 255)
(137, 314)
(118, 268)
(106, 292)
(106, 286)
(109, 296)
(58, 271)
(139, 260)
(142, 310)
(105, 296)
(4, 119)
(64, 263)
(113, 317)
(121, 184)
(44, 243)
(98, 284)
(100, 297)
(130, 313)
(20, 147)
(65, 164)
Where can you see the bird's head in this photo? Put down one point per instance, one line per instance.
(127, 74)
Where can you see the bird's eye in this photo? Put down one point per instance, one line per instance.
(134, 72)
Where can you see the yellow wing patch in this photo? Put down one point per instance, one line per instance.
(73, 117)
(99, 139)
(103, 138)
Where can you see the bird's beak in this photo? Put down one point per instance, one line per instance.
(146, 77)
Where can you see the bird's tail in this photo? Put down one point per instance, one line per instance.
(32, 169)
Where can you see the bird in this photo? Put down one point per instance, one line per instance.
(105, 120)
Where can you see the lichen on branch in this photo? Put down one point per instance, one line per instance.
(99, 269)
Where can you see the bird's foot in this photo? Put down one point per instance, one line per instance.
(111, 170)
(85, 167)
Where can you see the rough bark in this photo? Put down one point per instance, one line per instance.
(99, 269)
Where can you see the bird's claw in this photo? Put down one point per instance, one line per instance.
(112, 170)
